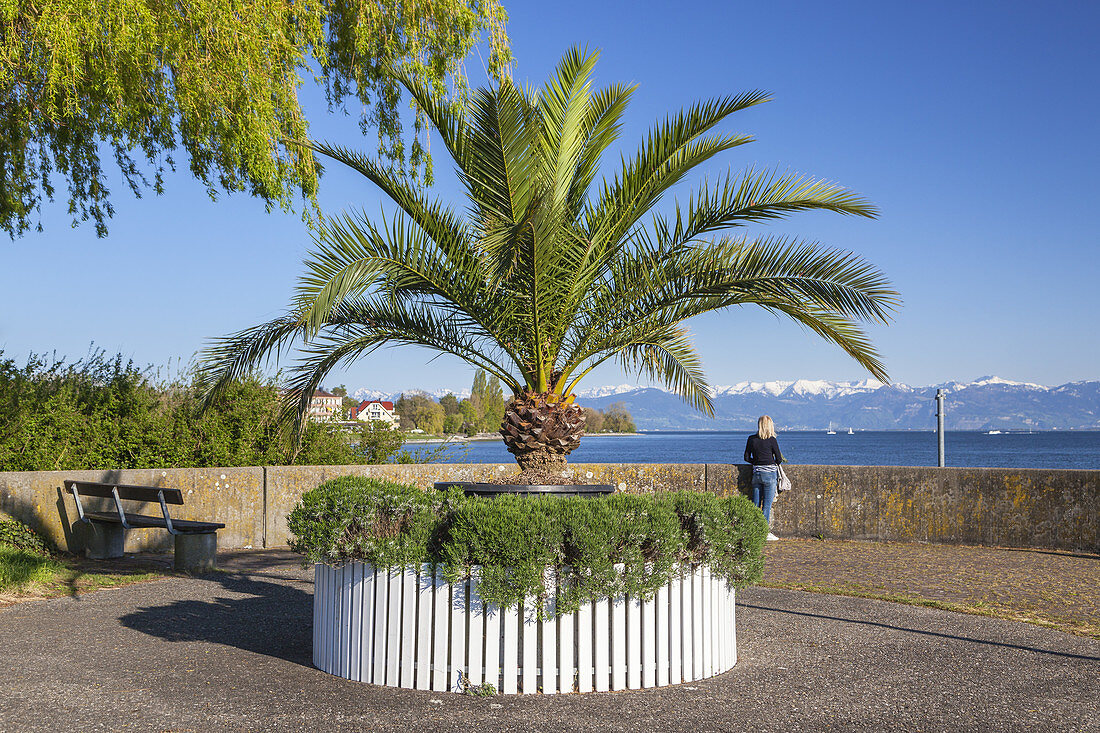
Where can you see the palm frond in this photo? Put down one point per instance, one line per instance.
(668, 153)
(546, 272)
(756, 197)
(438, 221)
(227, 359)
(668, 356)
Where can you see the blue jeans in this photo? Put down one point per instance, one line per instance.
(764, 485)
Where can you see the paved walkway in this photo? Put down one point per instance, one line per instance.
(1057, 589)
(231, 652)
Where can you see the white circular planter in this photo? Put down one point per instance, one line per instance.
(410, 628)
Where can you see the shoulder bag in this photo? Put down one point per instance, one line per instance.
(784, 481)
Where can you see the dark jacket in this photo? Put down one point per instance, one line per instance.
(762, 452)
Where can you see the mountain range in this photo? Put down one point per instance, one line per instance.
(989, 403)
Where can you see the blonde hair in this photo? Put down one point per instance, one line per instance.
(765, 428)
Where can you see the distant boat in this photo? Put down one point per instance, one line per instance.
(850, 432)
(994, 432)
(830, 431)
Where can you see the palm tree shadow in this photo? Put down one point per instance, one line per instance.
(273, 619)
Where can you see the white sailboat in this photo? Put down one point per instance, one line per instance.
(830, 430)
(850, 432)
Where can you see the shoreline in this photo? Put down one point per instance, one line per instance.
(494, 436)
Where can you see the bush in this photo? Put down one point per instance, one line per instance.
(377, 522)
(105, 413)
(623, 544)
(18, 536)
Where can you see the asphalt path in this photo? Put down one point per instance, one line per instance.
(231, 652)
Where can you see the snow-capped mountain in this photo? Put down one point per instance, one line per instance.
(987, 403)
(365, 393)
(984, 404)
(596, 392)
(801, 387)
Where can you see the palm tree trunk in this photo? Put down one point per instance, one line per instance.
(540, 431)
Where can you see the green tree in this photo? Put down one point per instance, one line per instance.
(378, 442)
(487, 398)
(453, 420)
(477, 393)
(452, 423)
(593, 420)
(347, 404)
(469, 417)
(419, 411)
(616, 419)
(104, 413)
(449, 403)
(550, 274)
(492, 406)
(218, 78)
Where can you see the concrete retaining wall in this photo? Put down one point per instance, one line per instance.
(1057, 509)
(233, 496)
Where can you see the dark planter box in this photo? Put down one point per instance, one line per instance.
(474, 488)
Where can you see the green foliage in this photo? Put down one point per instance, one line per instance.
(379, 522)
(622, 544)
(545, 272)
(18, 536)
(25, 557)
(104, 413)
(378, 442)
(449, 403)
(593, 420)
(418, 410)
(616, 419)
(19, 568)
(487, 400)
(219, 78)
(469, 417)
(512, 538)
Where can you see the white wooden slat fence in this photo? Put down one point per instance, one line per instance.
(410, 628)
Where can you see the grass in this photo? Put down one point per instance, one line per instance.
(1076, 626)
(19, 568)
(28, 576)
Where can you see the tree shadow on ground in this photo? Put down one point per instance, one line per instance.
(921, 632)
(273, 619)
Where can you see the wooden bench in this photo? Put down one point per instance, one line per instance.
(196, 542)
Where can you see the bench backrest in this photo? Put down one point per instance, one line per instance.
(125, 492)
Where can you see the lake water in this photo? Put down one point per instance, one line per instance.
(1071, 449)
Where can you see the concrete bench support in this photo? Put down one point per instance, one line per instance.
(196, 553)
(102, 541)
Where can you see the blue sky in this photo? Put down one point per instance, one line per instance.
(971, 125)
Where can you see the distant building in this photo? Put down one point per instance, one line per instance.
(381, 410)
(324, 406)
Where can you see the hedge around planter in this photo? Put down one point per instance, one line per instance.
(513, 539)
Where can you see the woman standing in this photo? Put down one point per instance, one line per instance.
(762, 451)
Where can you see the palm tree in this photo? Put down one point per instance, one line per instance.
(547, 274)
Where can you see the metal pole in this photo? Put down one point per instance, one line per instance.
(939, 424)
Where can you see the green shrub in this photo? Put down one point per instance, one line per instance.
(17, 536)
(379, 522)
(103, 412)
(624, 544)
(514, 539)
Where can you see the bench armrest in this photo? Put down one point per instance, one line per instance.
(118, 507)
(164, 511)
